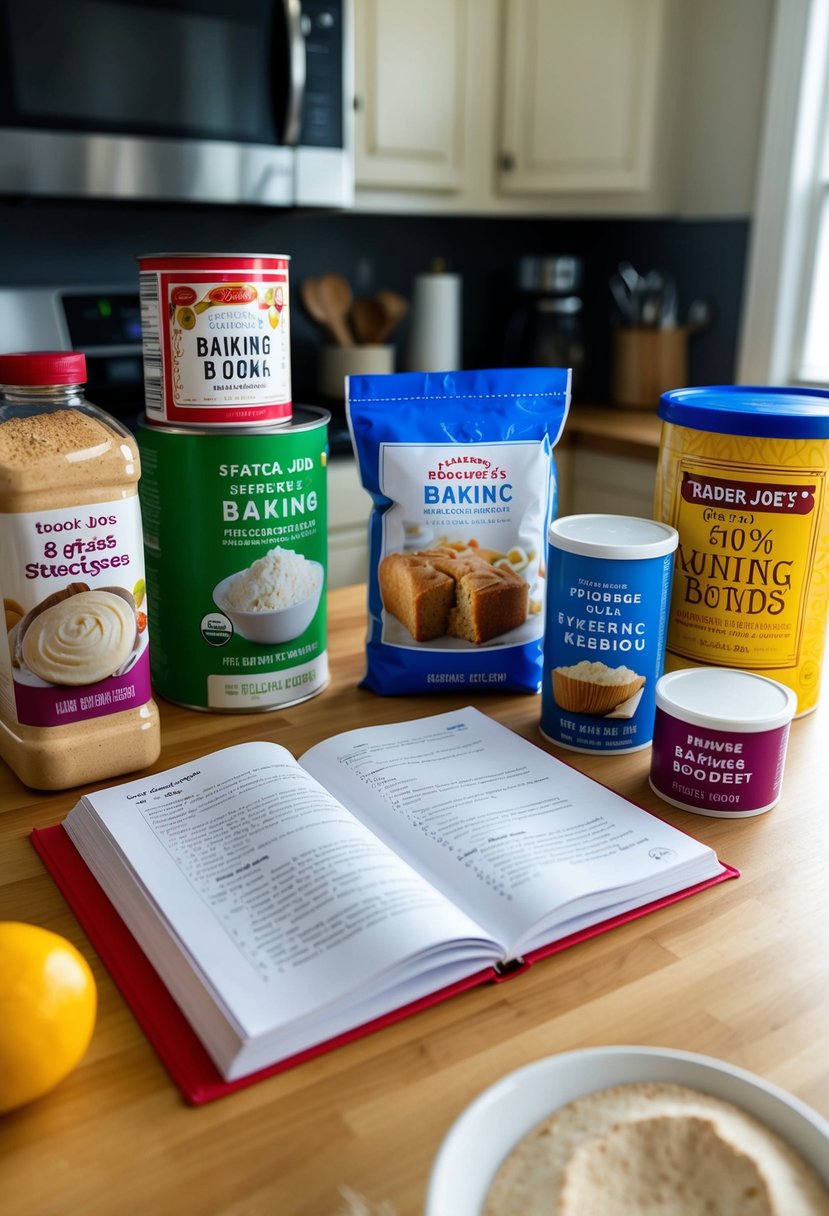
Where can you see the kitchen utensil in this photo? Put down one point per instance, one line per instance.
(669, 304)
(394, 308)
(630, 277)
(623, 299)
(310, 302)
(651, 297)
(334, 298)
(368, 320)
(327, 307)
(699, 315)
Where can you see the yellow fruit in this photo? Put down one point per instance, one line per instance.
(48, 1002)
(186, 317)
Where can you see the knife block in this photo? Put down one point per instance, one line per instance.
(647, 363)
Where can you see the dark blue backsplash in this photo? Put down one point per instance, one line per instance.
(82, 243)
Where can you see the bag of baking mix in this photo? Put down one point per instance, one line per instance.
(461, 472)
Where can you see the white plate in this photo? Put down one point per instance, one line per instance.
(492, 1125)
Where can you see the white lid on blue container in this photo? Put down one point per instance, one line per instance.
(722, 698)
(617, 537)
(736, 409)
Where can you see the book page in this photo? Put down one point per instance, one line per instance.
(281, 898)
(516, 837)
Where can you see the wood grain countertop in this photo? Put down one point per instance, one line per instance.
(614, 429)
(740, 972)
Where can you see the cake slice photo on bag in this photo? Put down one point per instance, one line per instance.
(446, 593)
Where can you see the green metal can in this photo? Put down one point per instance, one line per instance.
(235, 549)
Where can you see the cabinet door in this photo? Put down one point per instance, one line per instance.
(411, 68)
(580, 94)
(349, 507)
(618, 485)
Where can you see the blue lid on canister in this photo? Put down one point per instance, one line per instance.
(738, 409)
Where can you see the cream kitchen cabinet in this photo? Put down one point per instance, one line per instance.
(559, 107)
(509, 105)
(605, 483)
(349, 507)
(581, 95)
(412, 93)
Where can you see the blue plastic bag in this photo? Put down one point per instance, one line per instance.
(461, 472)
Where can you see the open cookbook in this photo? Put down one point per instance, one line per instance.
(269, 908)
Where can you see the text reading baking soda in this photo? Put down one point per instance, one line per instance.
(216, 336)
(742, 477)
(719, 740)
(604, 642)
(236, 570)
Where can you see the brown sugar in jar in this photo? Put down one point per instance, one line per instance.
(75, 695)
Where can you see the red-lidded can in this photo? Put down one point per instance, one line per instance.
(216, 339)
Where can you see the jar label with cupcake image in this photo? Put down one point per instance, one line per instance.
(76, 624)
(608, 592)
(461, 471)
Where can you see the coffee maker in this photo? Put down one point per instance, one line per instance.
(545, 325)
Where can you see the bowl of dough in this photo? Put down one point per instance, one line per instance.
(275, 599)
(619, 1130)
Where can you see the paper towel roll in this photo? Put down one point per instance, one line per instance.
(435, 327)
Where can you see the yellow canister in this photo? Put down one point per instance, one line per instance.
(742, 477)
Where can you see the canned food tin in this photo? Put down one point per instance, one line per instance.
(235, 545)
(608, 587)
(742, 476)
(216, 339)
(720, 740)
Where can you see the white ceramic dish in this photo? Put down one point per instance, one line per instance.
(492, 1125)
(270, 628)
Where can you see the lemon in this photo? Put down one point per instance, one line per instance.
(48, 1002)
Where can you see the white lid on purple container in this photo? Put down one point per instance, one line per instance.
(619, 537)
(724, 699)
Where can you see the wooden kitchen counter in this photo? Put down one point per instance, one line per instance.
(613, 429)
(740, 971)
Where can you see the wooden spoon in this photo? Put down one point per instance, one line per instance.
(308, 296)
(394, 308)
(368, 317)
(334, 298)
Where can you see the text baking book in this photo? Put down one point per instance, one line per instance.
(288, 905)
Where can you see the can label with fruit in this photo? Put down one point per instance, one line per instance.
(216, 339)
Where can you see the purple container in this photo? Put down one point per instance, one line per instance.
(719, 741)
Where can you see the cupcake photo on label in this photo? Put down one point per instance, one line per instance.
(609, 586)
(77, 637)
(595, 688)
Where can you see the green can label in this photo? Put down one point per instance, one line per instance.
(235, 546)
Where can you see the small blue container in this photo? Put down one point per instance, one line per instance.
(608, 592)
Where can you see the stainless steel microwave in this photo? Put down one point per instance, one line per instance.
(219, 101)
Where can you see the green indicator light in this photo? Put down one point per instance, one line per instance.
(104, 308)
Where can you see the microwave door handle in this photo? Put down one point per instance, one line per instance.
(296, 71)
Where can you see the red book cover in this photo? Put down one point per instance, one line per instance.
(160, 1018)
